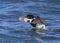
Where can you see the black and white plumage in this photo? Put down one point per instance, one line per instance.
(35, 21)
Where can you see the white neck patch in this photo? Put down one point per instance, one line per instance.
(26, 19)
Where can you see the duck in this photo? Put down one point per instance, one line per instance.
(34, 21)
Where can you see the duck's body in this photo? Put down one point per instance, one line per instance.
(35, 21)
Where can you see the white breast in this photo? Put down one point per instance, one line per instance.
(40, 26)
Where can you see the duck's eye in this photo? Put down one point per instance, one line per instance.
(28, 21)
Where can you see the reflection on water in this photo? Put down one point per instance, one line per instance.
(14, 31)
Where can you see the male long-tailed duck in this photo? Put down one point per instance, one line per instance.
(35, 21)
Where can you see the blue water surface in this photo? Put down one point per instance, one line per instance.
(14, 31)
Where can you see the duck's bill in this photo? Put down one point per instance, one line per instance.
(21, 19)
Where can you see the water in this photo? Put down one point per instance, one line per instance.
(14, 31)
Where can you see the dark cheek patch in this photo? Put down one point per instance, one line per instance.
(28, 21)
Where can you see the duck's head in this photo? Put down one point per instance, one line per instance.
(27, 18)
